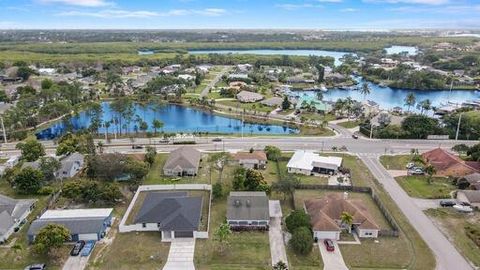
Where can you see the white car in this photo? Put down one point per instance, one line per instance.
(410, 165)
(463, 208)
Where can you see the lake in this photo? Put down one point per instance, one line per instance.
(388, 97)
(335, 54)
(175, 118)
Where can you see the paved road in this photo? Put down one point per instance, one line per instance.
(332, 260)
(447, 256)
(215, 80)
(180, 256)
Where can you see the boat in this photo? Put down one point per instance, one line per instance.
(382, 85)
(323, 88)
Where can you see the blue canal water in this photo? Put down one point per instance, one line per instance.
(175, 118)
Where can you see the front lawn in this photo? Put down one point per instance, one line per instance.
(350, 124)
(398, 162)
(418, 187)
(453, 224)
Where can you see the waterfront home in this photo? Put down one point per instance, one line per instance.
(183, 161)
(310, 103)
(249, 97)
(248, 210)
(70, 165)
(326, 221)
(370, 108)
(174, 214)
(13, 213)
(186, 77)
(447, 164)
(254, 160)
(310, 163)
(83, 224)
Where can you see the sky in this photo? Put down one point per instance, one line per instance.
(239, 14)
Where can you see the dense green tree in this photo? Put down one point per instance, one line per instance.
(49, 166)
(286, 103)
(273, 153)
(301, 241)
(157, 124)
(46, 84)
(31, 149)
(50, 237)
(286, 185)
(297, 219)
(410, 100)
(151, 153)
(420, 126)
(28, 181)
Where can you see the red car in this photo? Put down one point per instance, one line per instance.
(329, 245)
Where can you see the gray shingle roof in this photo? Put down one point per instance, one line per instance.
(171, 210)
(76, 226)
(10, 210)
(248, 206)
(184, 157)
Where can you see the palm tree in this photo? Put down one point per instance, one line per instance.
(365, 91)
(106, 124)
(157, 124)
(100, 147)
(410, 100)
(347, 219)
(430, 171)
(425, 105)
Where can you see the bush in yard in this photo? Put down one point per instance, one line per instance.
(273, 152)
(28, 181)
(50, 237)
(297, 219)
(217, 191)
(301, 241)
(280, 266)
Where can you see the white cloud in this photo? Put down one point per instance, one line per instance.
(82, 3)
(117, 13)
(297, 6)
(330, 1)
(450, 9)
(349, 10)
(423, 2)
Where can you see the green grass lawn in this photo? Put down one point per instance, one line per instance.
(418, 187)
(350, 124)
(453, 224)
(252, 107)
(397, 162)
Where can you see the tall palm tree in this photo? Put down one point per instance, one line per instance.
(347, 219)
(365, 91)
(410, 100)
(157, 124)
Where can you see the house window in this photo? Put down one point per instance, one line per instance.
(158, 225)
(144, 225)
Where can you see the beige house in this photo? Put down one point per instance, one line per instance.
(255, 160)
(183, 161)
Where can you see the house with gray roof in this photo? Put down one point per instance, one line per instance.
(13, 213)
(249, 97)
(174, 214)
(183, 161)
(272, 102)
(248, 210)
(70, 165)
(83, 224)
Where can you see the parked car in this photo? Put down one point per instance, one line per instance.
(447, 203)
(329, 245)
(163, 141)
(77, 248)
(463, 208)
(416, 171)
(137, 146)
(38, 266)
(355, 136)
(217, 140)
(88, 248)
(410, 165)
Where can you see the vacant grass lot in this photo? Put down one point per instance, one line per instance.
(453, 224)
(418, 187)
(349, 124)
(396, 162)
(251, 107)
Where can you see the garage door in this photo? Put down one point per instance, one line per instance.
(183, 234)
(327, 235)
(88, 236)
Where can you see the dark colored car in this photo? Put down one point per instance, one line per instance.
(77, 248)
(355, 136)
(464, 204)
(329, 245)
(217, 140)
(447, 203)
(137, 147)
(38, 266)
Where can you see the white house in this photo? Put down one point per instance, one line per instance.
(310, 163)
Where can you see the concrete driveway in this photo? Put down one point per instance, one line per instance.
(275, 235)
(332, 260)
(76, 263)
(180, 256)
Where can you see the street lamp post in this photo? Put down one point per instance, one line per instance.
(458, 126)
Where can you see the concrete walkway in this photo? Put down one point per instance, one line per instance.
(180, 256)
(332, 260)
(275, 235)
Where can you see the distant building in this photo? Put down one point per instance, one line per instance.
(70, 165)
(249, 97)
(255, 160)
(309, 163)
(248, 210)
(272, 102)
(184, 161)
(471, 197)
(83, 224)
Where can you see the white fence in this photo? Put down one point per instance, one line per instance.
(152, 227)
